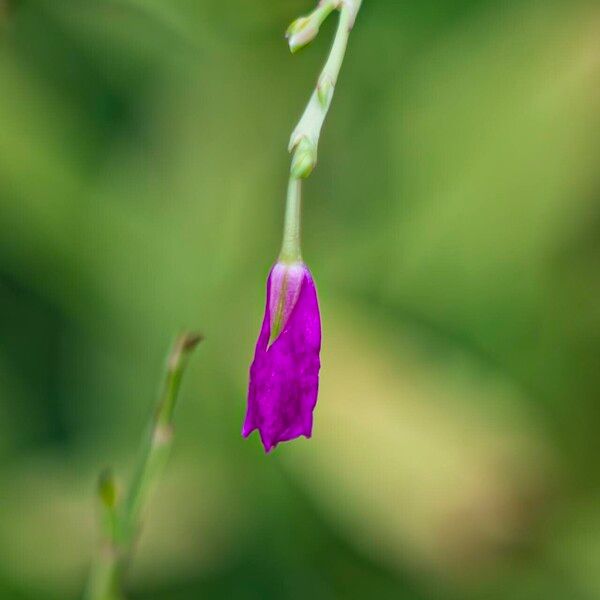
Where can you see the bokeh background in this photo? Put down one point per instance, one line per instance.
(452, 226)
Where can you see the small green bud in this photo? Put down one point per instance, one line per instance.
(296, 26)
(301, 32)
(304, 160)
(107, 488)
(325, 91)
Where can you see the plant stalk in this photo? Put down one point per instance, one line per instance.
(304, 140)
(120, 522)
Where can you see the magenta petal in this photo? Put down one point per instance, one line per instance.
(284, 376)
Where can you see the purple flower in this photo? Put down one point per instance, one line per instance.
(284, 375)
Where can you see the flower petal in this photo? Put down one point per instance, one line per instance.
(284, 376)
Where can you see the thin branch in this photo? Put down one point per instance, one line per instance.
(120, 522)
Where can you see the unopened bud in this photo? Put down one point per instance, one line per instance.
(304, 160)
(301, 32)
(325, 91)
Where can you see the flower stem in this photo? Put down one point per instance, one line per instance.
(121, 523)
(304, 140)
(290, 248)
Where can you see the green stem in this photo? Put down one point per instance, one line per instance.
(121, 524)
(304, 140)
(290, 248)
(158, 440)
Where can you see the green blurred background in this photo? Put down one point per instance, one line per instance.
(452, 226)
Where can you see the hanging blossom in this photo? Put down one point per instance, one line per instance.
(284, 375)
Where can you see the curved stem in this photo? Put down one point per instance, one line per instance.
(305, 136)
(304, 140)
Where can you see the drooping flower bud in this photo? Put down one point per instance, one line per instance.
(284, 375)
(301, 32)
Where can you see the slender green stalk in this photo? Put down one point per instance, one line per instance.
(290, 248)
(304, 140)
(120, 522)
